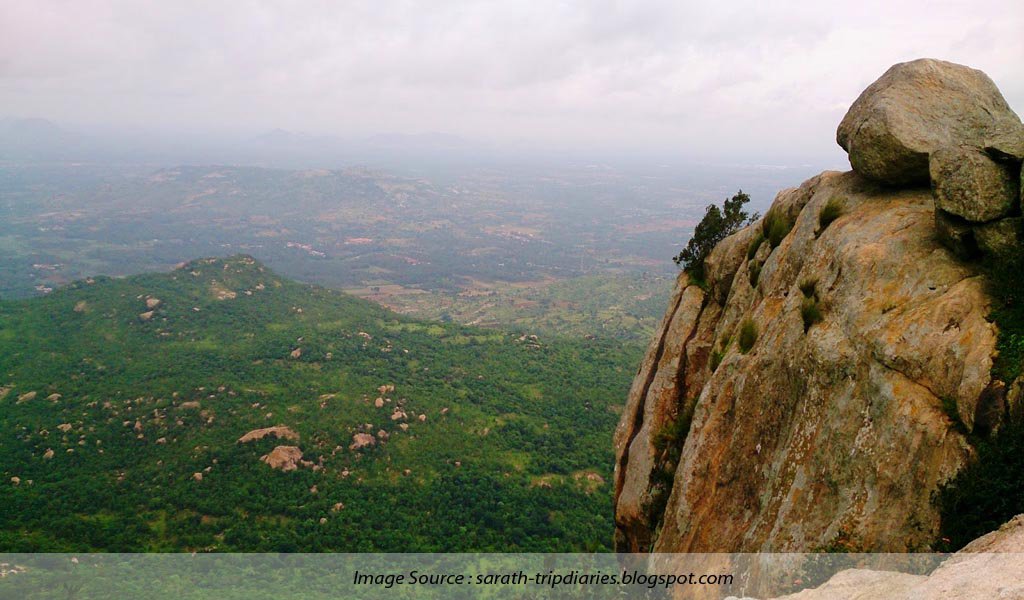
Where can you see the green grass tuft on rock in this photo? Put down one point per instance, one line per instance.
(748, 335)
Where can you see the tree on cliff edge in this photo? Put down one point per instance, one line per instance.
(717, 224)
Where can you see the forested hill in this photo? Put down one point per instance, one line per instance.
(123, 403)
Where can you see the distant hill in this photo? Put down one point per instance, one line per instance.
(38, 139)
(122, 403)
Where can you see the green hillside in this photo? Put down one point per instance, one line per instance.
(122, 402)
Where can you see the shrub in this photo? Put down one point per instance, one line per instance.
(776, 226)
(716, 225)
(755, 273)
(748, 335)
(718, 355)
(990, 490)
(716, 359)
(808, 287)
(668, 444)
(1006, 286)
(832, 210)
(671, 436)
(810, 312)
(986, 493)
(755, 245)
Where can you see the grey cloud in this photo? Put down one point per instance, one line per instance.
(665, 76)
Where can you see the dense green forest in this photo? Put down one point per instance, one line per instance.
(123, 402)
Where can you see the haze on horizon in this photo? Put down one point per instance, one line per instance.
(760, 81)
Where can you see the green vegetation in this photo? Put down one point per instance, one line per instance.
(110, 406)
(1006, 286)
(716, 225)
(832, 210)
(809, 288)
(776, 226)
(718, 354)
(668, 446)
(986, 493)
(810, 312)
(990, 490)
(949, 407)
(748, 335)
(716, 359)
(755, 244)
(754, 273)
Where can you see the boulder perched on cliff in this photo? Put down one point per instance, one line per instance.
(829, 375)
(969, 184)
(914, 109)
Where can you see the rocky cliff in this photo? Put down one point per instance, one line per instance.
(834, 368)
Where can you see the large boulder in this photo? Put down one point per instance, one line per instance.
(1001, 237)
(1007, 146)
(914, 109)
(283, 458)
(280, 432)
(969, 184)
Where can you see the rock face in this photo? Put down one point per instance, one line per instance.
(839, 430)
(914, 109)
(829, 396)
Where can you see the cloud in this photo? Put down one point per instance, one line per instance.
(767, 78)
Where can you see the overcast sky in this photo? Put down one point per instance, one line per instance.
(768, 79)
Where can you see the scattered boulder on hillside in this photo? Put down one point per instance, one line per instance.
(916, 108)
(362, 440)
(969, 184)
(283, 458)
(53, 397)
(296, 353)
(27, 397)
(189, 404)
(81, 306)
(378, 403)
(152, 303)
(146, 315)
(398, 414)
(197, 477)
(64, 427)
(48, 454)
(16, 481)
(280, 432)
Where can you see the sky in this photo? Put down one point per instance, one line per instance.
(764, 80)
